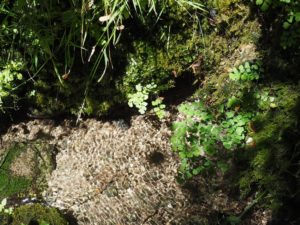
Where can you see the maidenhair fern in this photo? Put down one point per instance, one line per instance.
(199, 135)
(9, 78)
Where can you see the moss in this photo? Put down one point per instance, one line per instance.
(229, 39)
(146, 65)
(38, 158)
(271, 161)
(164, 53)
(37, 213)
(96, 107)
(268, 165)
(179, 43)
(9, 184)
(223, 4)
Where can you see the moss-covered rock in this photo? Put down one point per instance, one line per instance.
(230, 27)
(24, 167)
(268, 166)
(11, 185)
(271, 159)
(37, 214)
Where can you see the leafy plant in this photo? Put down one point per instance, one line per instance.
(3, 209)
(159, 108)
(204, 139)
(246, 72)
(9, 79)
(264, 4)
(200, 136)
(139, 99)
(288, 14)
(265, 100)
(258, 97)
(235, 127)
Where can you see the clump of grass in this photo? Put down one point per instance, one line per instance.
(114, 14)
(61, 36)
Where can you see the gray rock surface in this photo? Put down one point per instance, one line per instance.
(110, 172)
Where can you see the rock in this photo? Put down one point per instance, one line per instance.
(110, 174)
(24, 164)
(106, 174)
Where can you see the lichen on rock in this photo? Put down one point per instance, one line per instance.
(23, 165)
(105, 175)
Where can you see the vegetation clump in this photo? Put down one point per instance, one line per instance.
(240, 127)
(288, 17)
(201, 137)
(33, 214)
(10, 79)
(251, 86)
(275, 150)
(82, 50)
(38, 214)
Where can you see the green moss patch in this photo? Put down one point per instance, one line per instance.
(9, 184)
(33, 214)
(38, 214)
(23, 168)
(272, 160)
